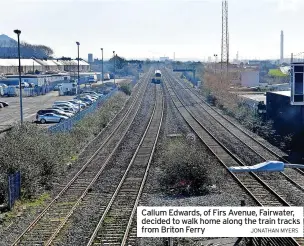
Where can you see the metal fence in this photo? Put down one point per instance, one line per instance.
(27, 92)
(67, 125)
(14, 188)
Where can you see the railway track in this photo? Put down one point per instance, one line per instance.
(114, 226)
(44, 229)
(258, 189)
(291, 179)
(264, 153)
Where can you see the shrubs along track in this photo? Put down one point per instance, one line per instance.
(42, 157)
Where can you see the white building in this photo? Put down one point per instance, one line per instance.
(48, 65)
(250, 78)
(72, 65)
(162, 59)
(11, 66)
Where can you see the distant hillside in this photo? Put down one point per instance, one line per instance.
(6, 41)
(8, 49)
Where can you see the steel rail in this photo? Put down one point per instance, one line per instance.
(123, 179)
(37, 219)
(288, 241)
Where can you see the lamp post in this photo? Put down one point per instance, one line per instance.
(114, 66)
(20, 89)
(33, 65)
(78, 82)
(101, 65)
(215, 59)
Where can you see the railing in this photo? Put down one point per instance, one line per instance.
(67, 125)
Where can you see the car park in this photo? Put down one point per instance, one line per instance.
(53, 110)
(65, 108)
(92, 93)
(85, 100)
(66, 104)
(90, 97)
(51, 117)
(77, 103)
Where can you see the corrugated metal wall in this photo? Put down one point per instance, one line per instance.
(287, 118)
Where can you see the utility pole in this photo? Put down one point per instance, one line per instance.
(225, 43)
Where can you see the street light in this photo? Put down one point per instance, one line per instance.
(33, 64)
(20, 89)
(114, 65)
(101, 65)
(78, 76)
(215, 60)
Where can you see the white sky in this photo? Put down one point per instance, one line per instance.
(151, 28)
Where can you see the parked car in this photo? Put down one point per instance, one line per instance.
(77, 103)
(4, 104)
(51, 117)
(65, 108)
(93, 98)
(66, 103)
(85, 100)
(92, 93)
(53, 110)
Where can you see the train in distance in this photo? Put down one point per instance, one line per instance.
(157, 77)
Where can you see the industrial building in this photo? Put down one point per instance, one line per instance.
(250, 78)
(287, 118)
(90, 58)
(162, 59)
(10, 66)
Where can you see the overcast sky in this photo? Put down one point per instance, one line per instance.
(151, 28)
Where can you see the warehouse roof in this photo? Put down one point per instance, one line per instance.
(255, 97)
(15, 62)
(46, 62)
(283, 93)
(72, 62)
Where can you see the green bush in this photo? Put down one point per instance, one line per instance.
(126, 88)
(183, 169)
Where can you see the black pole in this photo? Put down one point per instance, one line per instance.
(102, 65)
(114, 66)
(78, 82)
(20, 89)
